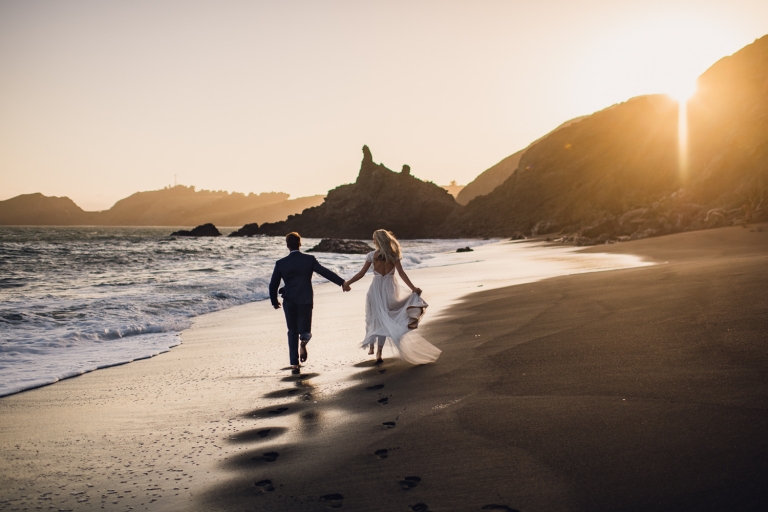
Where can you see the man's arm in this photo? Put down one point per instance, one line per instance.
(274, 283)
(328, 274)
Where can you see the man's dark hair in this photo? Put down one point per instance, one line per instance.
(293, 240)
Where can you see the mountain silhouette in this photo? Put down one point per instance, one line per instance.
(379, 198)
(37, 209)
(171, 206)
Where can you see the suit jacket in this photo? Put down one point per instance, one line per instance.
(296, 271)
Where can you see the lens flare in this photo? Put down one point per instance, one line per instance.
(683, 91)
(682, 138)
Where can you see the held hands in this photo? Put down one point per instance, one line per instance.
(345, 286)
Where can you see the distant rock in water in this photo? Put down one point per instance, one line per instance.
(342, 246)
(379, 199)
(247, 230)
(204, 230)
(464, 249)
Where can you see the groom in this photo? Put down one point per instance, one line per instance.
(296, 271)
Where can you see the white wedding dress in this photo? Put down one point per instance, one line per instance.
(389, 308)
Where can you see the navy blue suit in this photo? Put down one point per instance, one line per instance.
(296, 271)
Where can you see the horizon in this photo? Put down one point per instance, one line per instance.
(101, 101)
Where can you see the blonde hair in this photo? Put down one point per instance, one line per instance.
(387, 245)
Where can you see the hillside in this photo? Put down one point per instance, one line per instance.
(616, 172)
(380, 198)
(490, 178)
(171, 206)
(181, 206)
(273, 212)
(37, 209)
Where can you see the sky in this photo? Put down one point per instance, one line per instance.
(102, 99)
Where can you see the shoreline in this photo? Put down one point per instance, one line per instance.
(215, 403)
(137, 312)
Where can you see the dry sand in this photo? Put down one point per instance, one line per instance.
(637, 389)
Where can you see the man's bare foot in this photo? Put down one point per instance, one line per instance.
(303, 351)
(295, 369)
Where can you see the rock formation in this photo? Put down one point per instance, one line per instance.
(379, 198)
(204, 230)
(342, 246)
(247, 230)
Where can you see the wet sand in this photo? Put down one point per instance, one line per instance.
(637, 389)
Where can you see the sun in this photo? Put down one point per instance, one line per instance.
(682, 91)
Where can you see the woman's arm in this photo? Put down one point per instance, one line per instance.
(405, 279)
(360, 274)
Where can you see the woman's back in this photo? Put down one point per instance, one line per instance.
(382, 266)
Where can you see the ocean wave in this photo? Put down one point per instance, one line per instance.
(96, 298)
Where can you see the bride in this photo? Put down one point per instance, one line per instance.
(391, 311)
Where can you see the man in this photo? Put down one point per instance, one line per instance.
(296, 271)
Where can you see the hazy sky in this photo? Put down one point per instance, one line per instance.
(99, 99)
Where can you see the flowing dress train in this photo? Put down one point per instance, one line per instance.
(389, 308)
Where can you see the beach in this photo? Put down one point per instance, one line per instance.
(620, 377)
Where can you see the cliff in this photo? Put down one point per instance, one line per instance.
(379, 198)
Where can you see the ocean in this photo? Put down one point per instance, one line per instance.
(76, 299)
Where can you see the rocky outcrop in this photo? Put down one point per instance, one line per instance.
(618, 175)
(379, 198)
(204, 230)
(247, 230)
(342, 246)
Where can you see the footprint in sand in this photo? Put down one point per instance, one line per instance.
(382, 454)
(409, 482)
(384, 401)
(389, 424)
(382, 371)
(420, 507)
(375, 387)
(264, 433)
(267, 457)
(334, 499)
(265, 485)
(501, 508)
(279, 410)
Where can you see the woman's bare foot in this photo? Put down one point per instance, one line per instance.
(379, 360)
(370, 350)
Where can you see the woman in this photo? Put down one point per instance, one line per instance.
(391, 312)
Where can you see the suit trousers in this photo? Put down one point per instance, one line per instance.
(298, 317)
